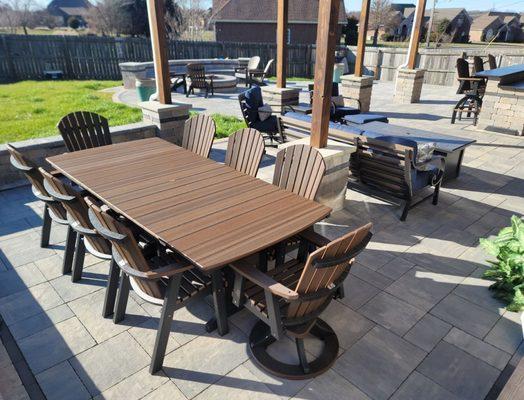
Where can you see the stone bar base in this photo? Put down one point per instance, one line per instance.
(332, 190)
(409, 85)
(280, 96)
(356, 87)
(169, 118)
(502, 109)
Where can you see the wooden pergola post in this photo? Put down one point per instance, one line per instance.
(325, 60)
(157, 28)
(282, 19)
(415, 34)
(362, 31)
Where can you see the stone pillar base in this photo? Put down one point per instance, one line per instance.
(332, 190)
(280, 96)
(356, 87)
(409, 85)
(168, 118)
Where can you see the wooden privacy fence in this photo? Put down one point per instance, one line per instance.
(92, 57)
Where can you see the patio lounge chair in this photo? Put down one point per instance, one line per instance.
(245, 149)
(84, 130)
(394, 166)
(289, 300)
(199, 132)
(165, 279)
(199, 80)
(257, 76)
(242, 73)
(53, 210)
(250, 101)
(338, 108)
(472, 88)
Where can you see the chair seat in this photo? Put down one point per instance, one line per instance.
(240, 75)
(288, 275)
(270, 125)
(421, 179)
(341, 112)
(364, 118)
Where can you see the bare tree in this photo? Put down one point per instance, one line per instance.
(380, 17)
(107, 17)
(18, 13)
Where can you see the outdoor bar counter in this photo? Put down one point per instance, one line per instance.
(503, 102)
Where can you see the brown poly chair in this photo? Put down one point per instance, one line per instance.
(472, 88)
(199, 80)
(165, 279)
(84, 130)
(289, 300)
(245, 149)
(199, 132)
(53, 210)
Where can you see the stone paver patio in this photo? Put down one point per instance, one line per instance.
(417, 322)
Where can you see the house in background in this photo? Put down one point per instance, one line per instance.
(458, 27)
(496, 26)
(255, 21)
(71, 11)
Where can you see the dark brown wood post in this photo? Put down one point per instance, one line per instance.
(282, 17)
(362, 31)
(415, 34)
(156, 11)
(327, 35)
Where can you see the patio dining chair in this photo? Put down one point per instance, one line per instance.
(53, 210)
(84, 130)
(250, 101)
(165, 279)
(245, 149)
(472, 88)
(199, 80)
(257, 76)
(199, 132)
(242, 73)
(290, 299)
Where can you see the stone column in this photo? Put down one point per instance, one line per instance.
(409, 85)
(332, 190)
(357, 87)
(168, 118)
(280, 97)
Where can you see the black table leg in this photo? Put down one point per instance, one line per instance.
(231, 309)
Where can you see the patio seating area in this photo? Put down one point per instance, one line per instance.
(416, 321)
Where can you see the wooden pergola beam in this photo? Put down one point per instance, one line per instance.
(282, 20)
(325, 60)
(362, 31)
(157, 28)
(415, 34)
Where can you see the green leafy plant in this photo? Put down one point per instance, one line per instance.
(508, 269)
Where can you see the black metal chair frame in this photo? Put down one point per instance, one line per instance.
(173, 273)
(272, 326)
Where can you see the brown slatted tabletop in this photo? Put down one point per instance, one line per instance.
(210, 213)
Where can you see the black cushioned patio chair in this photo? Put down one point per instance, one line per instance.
(290, 299)
(338, 109)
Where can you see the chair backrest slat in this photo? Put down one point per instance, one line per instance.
(76, 209)
(84, 130)
(199, 132)
(299, 169)
(127, 249)
(492, 61)
(463, 72)
(245, 149)
(338, 256)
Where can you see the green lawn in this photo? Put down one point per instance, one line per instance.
(31, 109)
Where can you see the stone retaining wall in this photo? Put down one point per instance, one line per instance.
(40, 149)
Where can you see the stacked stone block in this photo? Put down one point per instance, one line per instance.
(169, 119)
(408, 87)
(357, 88)
(280, 96)
(502, 109)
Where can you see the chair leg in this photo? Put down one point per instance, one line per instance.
(219, 301)
(404, 215)
(121, 302)
(78, 263)
(111, 290)
(302, 355)
(69, 251)
(164, 327)
(435, 194)
(280, 254)
(46, 227)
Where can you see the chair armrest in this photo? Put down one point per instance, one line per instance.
(163, 272)
(313, 237)
(437, 161)
(266, 282)
(471, 79)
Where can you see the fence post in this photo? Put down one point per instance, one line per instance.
(9, 59)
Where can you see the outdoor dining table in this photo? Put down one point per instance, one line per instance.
(206, 211)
